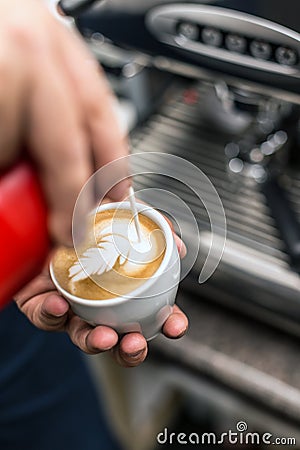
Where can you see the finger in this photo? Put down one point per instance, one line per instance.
(54, 306)
(42, 305)
(180, 246)
(59, 144)
(131, 351)
(99, 107)
(179, 243)
(19, 40)
(13, 82)
(176, 325)
(49, 312)
(89, 339)
(41, 284)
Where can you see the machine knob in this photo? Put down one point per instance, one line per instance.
(236, 43)
(286, 56)
(74, 8)
(212, 36)
(261, 50)
(188, 30)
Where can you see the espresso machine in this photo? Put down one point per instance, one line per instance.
(219, 85)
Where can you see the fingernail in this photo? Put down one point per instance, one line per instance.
(179, 335)
(134, 355)
(60, 315)
(183, 332)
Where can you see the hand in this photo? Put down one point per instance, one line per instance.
(46, 309)
(55, 101)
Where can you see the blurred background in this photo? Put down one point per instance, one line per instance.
(216, 82)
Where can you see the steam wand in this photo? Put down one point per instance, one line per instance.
(74, 8)
(135, 213)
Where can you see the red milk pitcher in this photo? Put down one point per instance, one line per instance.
(24, 240)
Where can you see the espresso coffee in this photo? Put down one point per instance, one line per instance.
(112, 261)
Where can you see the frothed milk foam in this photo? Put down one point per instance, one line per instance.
(112, 254)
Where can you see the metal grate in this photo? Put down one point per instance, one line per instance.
(181, 129)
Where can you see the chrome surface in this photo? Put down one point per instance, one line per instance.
(189, 70)
(254, 267)
(106, 51)
(163, 22)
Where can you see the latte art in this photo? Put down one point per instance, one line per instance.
(116, 241)
(113, 260)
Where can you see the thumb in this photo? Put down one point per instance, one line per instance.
(40, 302)
(51, 313)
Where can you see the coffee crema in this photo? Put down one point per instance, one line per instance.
(112, 261)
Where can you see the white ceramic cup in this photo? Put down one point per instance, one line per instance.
(146, 308)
